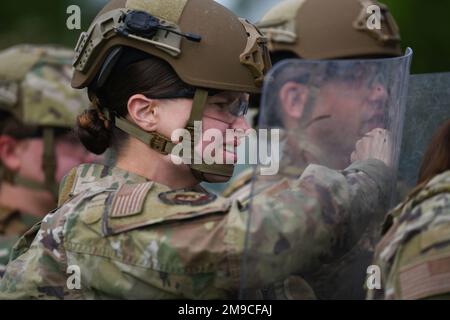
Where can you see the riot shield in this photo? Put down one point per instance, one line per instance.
(312, 223)
(427, 108)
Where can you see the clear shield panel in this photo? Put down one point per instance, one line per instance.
(427, 108)
(334, 128)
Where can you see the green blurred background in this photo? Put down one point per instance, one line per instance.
(425, 25)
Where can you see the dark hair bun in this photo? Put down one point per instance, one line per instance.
(94, 132)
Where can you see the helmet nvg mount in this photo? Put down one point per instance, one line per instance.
(207, 46)
(35, 90)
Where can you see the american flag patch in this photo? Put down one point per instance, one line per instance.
(130, 199)
(425, 279)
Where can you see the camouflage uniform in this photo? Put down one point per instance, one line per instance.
(35, 90)
(350, 258)
(12, 224)
(414, 255)
(133, 238)
(35, 86)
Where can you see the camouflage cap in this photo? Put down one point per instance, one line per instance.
(35, 86)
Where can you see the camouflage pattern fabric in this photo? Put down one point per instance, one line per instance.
(341, 277)
(414, 254)
(347, 206)
(35, 89)
(238, 182)
(35, 86)
(12, 225)
(135, 239)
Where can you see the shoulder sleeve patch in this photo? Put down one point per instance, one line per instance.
(425, 279)
(186, 197)
(130, 199)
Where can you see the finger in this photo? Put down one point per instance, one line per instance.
(359, 143)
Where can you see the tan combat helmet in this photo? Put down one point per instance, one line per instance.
(35, 89)
(206, 45)
(331, 29)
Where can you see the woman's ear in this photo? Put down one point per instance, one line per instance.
(293, 97)
(144, 112)
(10, 150)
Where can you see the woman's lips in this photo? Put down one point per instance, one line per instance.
(230, 152)
(229, 148)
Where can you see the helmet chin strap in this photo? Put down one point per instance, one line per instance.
(199, 170)
(165, 146)
(223, 170)
(48, 166)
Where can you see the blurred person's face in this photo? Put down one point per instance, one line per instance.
(352, 111)
(69, 153)
(342, 113)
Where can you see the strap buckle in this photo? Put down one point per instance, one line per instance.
(159, 144)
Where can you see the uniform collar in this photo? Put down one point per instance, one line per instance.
(90, 176)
